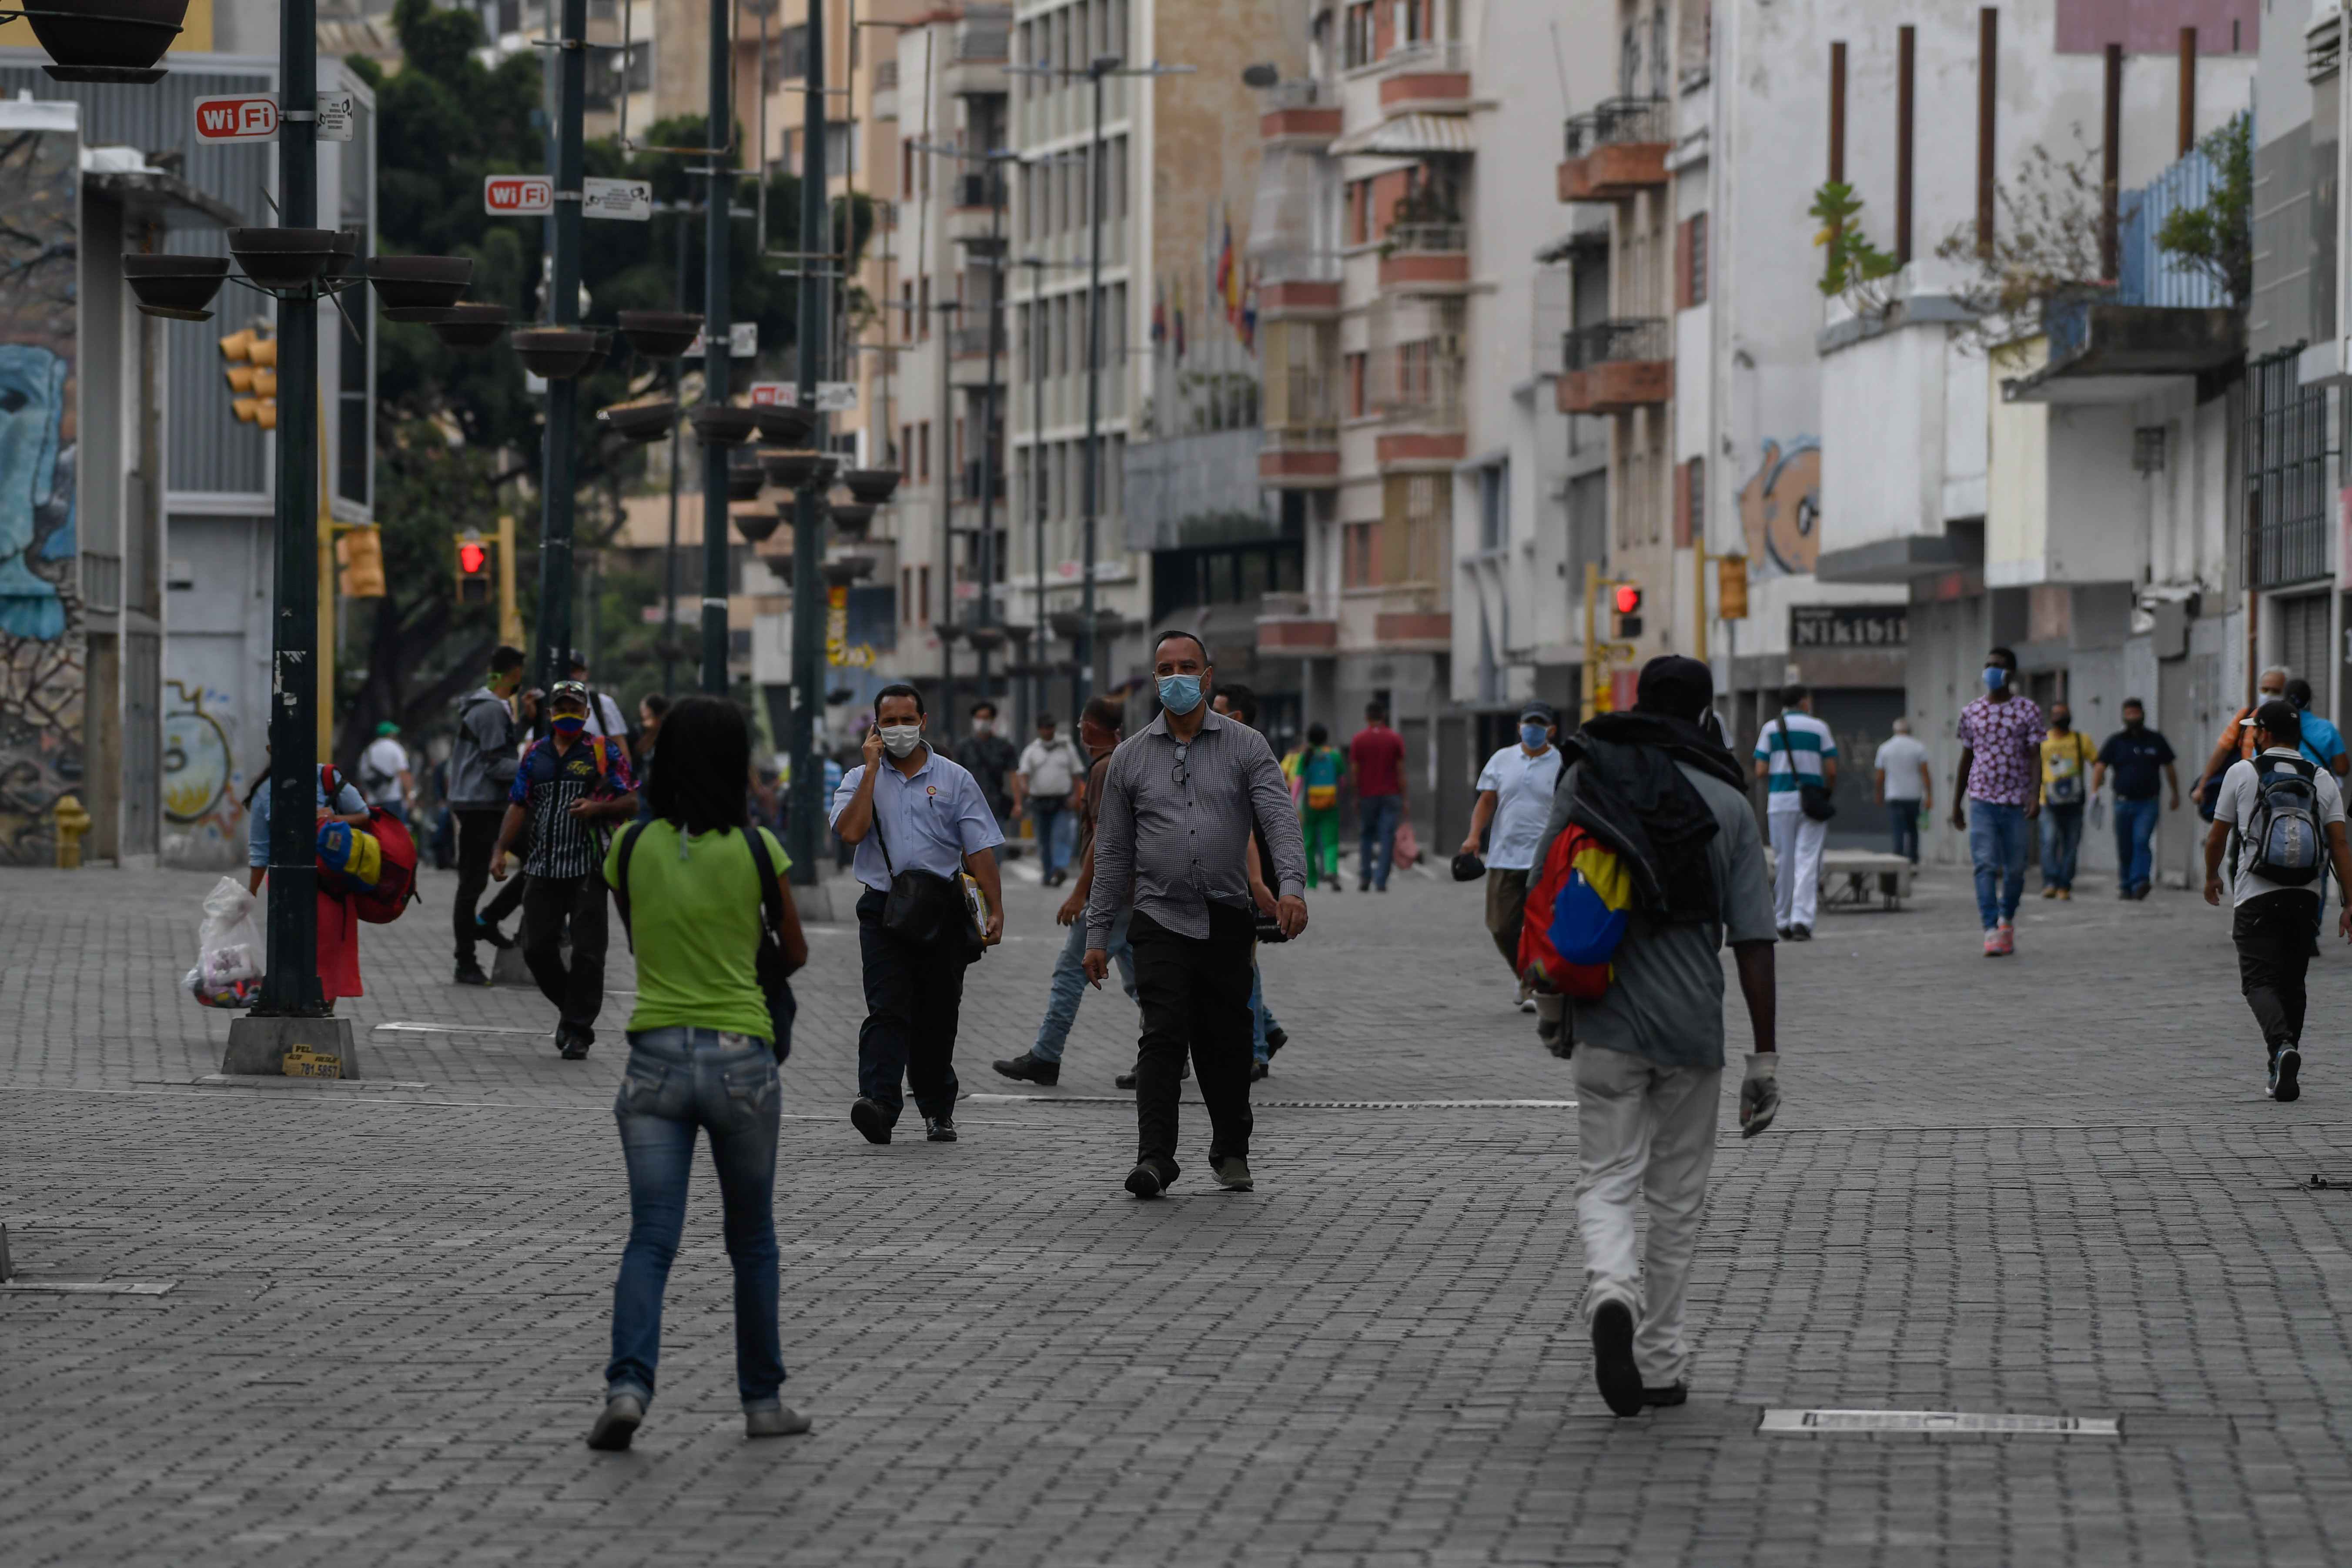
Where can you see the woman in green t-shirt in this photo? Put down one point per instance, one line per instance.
(699, 1056)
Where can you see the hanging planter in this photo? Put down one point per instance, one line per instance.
(283, 260)
(784, 425)
(471, 328)
(722, 425)
(110, 40)
(419, 287)
(796, 470)
(847, 570)
(560, 353)
(640, 421)
(744, 481)
(177, 287)
(660, 335)
(851, 518)
(984, 640)
(757, 526)
(346, 265)
(874, 485)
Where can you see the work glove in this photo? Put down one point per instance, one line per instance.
(1760, 1093)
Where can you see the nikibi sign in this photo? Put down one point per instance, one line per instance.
(1849, 626)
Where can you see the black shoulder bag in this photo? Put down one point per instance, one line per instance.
(773, 969)
(922, 905)
(1813, 799)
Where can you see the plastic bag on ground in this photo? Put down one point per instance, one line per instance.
(230, 954)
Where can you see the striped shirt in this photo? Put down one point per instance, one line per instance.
(549, 784)
(1794, 759)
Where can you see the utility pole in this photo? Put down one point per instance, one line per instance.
(719, 200)
(817, 270)
(677, 453)
(998, 276)
(559, 459)
(290, 989)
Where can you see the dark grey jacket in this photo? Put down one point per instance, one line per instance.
(483, 761)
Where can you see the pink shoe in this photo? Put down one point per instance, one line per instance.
(2008, 936)
(1992, 944)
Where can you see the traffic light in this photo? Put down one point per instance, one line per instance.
(1626, 605)
(359, 551)
(253, 375)
(473, 568)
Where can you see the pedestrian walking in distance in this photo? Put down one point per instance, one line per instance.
(2066, 760)
(2280, 818)
(1902, 785)
(2236, 741)
(492, 721)
(1376, 756)
(920, 823)
(385, 778)
(990, 758)
(569, 787)
(1514, 791)
(1180, 801)
(1996, 792)
(1050, 780)
(1795, 756)
(1101, 727)
(2142, 760)
(1656, 790)
(1315, 771)
(703, 1049)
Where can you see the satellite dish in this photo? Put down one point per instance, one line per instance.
(1260, 76)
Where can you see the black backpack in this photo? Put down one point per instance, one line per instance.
(2284, 825)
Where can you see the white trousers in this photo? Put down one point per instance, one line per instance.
(1797, 842)
(1642, 1131)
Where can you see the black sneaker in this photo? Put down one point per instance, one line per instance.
(1233, 1174)
(1125, 1081)
(2284, 1070)
(1276, 1038)
(939, 1129)
(869, 1118)
(470, 974)
(1673, 1394)
(574, 1043)
(1801, 933)
(1031, 1067)
(1786, 933)
(1613, 1358)
(1144, 1180)
(1257, 1072)
(485, 931)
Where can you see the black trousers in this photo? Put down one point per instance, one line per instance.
(914, 999)
(2273, 933)
(550, 906)
(1195, 995)
(477, 835)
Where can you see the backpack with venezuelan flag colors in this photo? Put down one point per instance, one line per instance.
(1575, 916)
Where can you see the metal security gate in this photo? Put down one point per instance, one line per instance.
(2302, 644)
(2286, 454)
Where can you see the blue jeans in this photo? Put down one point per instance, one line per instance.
(679, 1079)
(1379, 814)
(1045, 813)
(1261, 1020)
(1069, 982)
(1997, 845)
(1902, 829)
(2062, 835)
(2134, 825)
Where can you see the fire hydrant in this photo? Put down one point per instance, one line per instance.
(72, 823)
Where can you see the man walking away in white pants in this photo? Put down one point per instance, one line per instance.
(1792, 752)
(1649, 1064)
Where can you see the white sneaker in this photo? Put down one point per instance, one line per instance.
(1526, 997)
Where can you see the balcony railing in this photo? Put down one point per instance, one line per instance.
(982, 43)
(886, 75)
(1423, 238)
(1294, 92)
(1615, 342)
(1427, 55)
(1299, 437)
(969, 342)
(971, 191)
(1615, 121)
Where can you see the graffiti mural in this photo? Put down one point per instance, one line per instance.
(202, 789)
(42, 638)
(1780, 506)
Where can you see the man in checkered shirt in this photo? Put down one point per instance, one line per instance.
(2001, 778)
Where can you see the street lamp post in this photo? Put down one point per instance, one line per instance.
(676, 450)
(558, 457)
(717, 337)
(817, 271)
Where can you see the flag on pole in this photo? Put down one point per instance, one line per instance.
(1249, 314)
(1229, 279)
(1180, 318)
(1159, 315)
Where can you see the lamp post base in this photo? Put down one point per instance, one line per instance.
(290, 1048)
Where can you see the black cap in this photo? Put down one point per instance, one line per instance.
(2281, 718)
(1535, 707)
(1674, 686)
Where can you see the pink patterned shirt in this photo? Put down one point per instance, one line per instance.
(2006, 738)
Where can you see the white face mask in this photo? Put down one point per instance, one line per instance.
(899, 739)
(983, 726)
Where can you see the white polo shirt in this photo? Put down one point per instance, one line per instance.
(1523, 786)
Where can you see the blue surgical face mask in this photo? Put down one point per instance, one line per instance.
(1180, 694)
(1534, 736)
(1995, 678)
(570, 723)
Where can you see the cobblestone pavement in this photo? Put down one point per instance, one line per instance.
(2046, 1186)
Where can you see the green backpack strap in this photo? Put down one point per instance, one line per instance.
(621, 879)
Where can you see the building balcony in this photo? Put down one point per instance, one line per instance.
(2102, 353)
(1614, 367)
(1419, 451)
(1431, 74)
(1276, 301)
(969, 221)
(1422, 255)
(1288, 627)
(1299, 457)
(1616, 151)
(975, 58)
(1299, 112)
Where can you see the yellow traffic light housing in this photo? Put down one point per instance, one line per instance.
(1625, 606)
(473, 568)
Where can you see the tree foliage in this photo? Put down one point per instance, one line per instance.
(2217, 238)
(2045, 244)
(1850, 263)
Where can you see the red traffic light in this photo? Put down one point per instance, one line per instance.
(1628, 599)
(473, 557)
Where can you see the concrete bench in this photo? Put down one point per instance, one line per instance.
(1854, 878)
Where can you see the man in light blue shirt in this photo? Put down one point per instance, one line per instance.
(908, 808)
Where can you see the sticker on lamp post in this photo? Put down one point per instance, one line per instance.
(831, 396)
(631, 200)
(743, 342)
(517, 195)
(335, 117)
(253, 117)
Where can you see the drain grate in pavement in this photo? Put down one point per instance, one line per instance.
(1288, 1104)
(1814, 1421)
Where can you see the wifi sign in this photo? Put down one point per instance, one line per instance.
(252, 117)
(517, 195)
